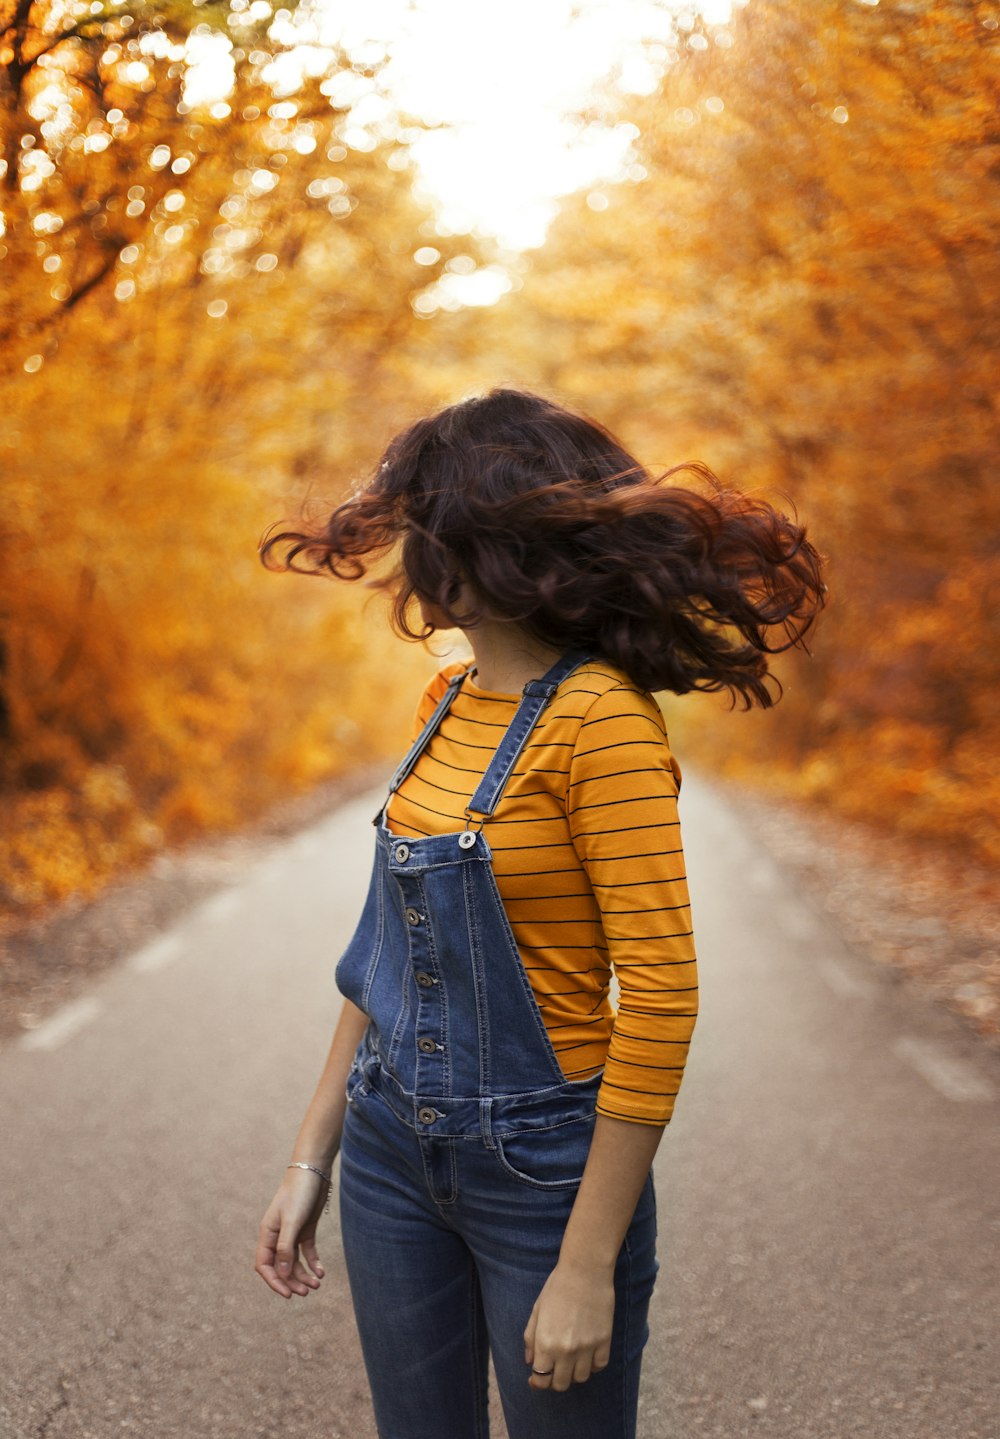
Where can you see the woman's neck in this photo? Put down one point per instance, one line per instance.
(507, 657)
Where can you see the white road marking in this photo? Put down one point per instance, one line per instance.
(221, 906)
(762, 877)
(156, 954)
(842, 981)
(950, 1076)
(62, 1025)
(799, 923)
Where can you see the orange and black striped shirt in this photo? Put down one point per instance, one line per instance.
(588, 863)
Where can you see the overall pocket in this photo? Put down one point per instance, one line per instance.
(549, 1158)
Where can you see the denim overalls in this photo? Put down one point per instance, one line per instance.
(463, 1144)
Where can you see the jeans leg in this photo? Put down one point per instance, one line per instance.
(414, 1285)
(513, 1266)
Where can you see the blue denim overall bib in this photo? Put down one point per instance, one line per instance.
(463, 1143)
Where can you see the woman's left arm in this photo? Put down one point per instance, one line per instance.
(622, 809)
(569, 1332)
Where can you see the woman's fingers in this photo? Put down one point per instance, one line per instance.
(303, 1247)
(553, 1368)
(266, 1255)
(568, 1337)
(558, 1372)
(542, 1373)
(278, 1260)
(311, 1255)
(535, 1356)
(564, 1372)
(302, 1280)
(529, 1335)
(288, 1265)
(583, 1368)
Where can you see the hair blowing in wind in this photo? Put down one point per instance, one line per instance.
(552, 525)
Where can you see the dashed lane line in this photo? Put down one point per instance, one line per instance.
(763, 877)
(156, 954)
(841, 980)
(798, 923)
(66, 1022)
(946, 1073)
(221, 905)
(62, 1025)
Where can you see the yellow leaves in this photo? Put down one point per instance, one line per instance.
(56, 843)
(802, 303)
(191, 808)
(183, 689)
(797, 301)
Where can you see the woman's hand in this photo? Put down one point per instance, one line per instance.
(288, 1227)
(290, 1222)
(569, 1332)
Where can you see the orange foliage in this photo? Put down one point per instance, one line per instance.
(804, 292)
(211, 310)
(189, 372)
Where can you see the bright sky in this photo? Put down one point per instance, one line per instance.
(504, 82)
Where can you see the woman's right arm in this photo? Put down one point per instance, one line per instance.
(293, 1214)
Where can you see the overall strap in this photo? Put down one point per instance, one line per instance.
(425, 736)
(536, 696)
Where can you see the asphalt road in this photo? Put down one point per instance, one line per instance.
(829, 1188)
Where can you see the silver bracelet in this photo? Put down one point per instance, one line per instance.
(298, 1164)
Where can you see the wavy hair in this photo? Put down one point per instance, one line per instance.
(553, 526)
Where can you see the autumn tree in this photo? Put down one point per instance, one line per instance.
(800, 286)
(207, 272)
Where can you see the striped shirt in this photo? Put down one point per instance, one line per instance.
(588, 863)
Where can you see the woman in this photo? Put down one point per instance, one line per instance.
(495, 1115)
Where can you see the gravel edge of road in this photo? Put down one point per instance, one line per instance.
(929, 914)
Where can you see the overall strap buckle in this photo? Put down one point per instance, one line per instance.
(540, 689)
(471, 820)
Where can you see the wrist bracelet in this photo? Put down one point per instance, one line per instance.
(298, 1164)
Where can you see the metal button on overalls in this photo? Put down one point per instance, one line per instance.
(424, 979)
(426, 1046)
(412, 916)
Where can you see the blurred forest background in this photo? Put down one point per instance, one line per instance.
(216, 311)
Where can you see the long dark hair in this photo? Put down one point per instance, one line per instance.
(555, 527)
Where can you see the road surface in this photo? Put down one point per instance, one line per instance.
(829, 1188)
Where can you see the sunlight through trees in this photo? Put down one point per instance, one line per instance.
(221, 295)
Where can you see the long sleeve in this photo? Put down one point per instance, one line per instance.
(622, 810)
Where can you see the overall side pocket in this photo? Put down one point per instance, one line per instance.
(552, 1158)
